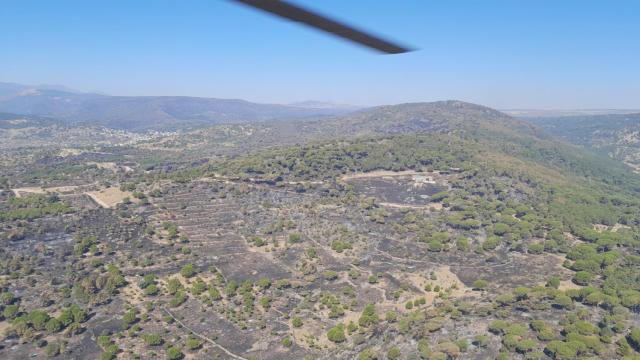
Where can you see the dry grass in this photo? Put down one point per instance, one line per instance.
(105, 165)
(380, 173)
(434, 206)
(40, 190)
(109, 197)
(444, 278)
(568, 285)
(4, 327)
(132, 292)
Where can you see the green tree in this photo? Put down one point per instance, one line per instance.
(129, 318)
(295, 238)
(53, 325)
(296, 322)
(391, 316)
(11, 311)
(553, 282)
(53, 349)
(286, 342)
(173, 353)
(152, 339)
(193, 343)
(634, 338)
(336, 334)
(188, 271)
(563, 301)
(491, 243)
(582, 278)
(38, 319)
(462, 243)
(79, 314)
(368, 354)
(214, 294)
(231, 289)
(151, 290)
(173, 285)
(394, 353)
(368, 316)
(480, 284)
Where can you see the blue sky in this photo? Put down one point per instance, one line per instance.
(552, 54)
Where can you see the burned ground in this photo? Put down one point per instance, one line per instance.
(283, 257)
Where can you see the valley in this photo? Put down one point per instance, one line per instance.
(614, 135)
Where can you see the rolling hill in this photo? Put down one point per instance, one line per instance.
(442, 230)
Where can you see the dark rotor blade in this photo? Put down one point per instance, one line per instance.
(296, 13)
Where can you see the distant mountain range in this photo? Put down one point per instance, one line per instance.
(324, 105)
(149, 112)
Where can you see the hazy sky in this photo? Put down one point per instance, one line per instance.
(504, 54)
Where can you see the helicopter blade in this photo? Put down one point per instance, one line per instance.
(299, 14)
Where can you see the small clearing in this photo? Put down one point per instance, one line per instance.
(105, 165)
(434, 206)
(109, 197)
(380, 173)
(39, 190)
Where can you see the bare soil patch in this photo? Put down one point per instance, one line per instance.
(39, 190)
(379, 173)
(109, 197)
(405, 189)
(104, 165)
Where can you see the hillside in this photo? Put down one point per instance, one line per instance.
(546, 232)
(470, 128)
(30, 131)
(617, 135)
(471, 122)
(439, 116)
(146, 112)
(433, 117)
(18, 121)
(442, 230)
